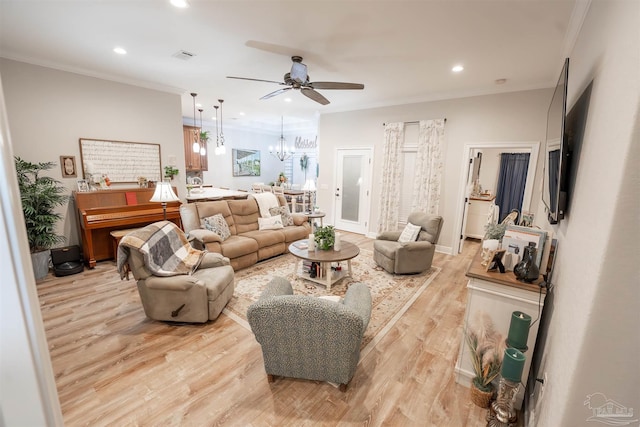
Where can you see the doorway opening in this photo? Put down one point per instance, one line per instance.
(467, 178)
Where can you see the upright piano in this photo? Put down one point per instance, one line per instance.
(101, 212)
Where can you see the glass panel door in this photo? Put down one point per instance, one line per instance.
(352, 190)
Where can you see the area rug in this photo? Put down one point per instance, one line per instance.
(391, 295)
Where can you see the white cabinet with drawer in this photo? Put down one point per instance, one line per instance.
(477, 214)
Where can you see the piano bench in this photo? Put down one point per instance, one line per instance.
(117, 235)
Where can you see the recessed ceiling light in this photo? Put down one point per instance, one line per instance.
(119, 51)
(287, 100)
(241, 113)
(180, 3)
(457, 68)
(198, 105)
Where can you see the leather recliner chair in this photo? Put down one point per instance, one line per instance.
(410, 257)
(189, 298)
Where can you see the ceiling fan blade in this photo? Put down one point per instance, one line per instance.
(275, 93)
(312, 94)
(255, 80)
(336, 85)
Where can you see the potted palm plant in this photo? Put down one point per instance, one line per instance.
(486, 347)
(40, 195)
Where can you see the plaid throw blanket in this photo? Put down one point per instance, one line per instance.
(164, 247)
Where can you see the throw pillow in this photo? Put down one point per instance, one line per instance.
(271, 223)
(283, 211)
(410, 233)
(218, 225)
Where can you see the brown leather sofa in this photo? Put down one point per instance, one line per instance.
(247, 244)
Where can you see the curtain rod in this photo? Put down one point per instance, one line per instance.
(414, 122)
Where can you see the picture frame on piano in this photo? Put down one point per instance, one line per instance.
(83, 186)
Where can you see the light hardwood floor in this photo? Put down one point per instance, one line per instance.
(115, 367)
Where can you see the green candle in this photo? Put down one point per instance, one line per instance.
(519, 330)
(512, 365)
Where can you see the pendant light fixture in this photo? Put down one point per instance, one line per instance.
(281, 152)
(196, 133)
(203, 146)
(221, 149)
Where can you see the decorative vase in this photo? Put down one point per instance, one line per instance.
(480, 398)
(527, 270)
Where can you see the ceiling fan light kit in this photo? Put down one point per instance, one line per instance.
(298, 79)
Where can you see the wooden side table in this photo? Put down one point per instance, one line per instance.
(314, 215)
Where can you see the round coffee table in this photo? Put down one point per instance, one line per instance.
(347, 252)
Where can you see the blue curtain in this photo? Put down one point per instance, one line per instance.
(511, 182)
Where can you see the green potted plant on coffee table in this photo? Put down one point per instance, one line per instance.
(40, 195)
(325, 237)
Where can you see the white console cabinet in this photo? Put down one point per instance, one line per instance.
(499, 295)
(477, 214)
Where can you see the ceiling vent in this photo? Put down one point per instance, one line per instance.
(184, 55)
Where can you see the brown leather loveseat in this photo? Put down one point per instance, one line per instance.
(247, 244)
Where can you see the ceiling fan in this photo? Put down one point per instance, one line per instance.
(298, 79)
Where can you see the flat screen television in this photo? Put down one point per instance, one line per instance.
(557, 153)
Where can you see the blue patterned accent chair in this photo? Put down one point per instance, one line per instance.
(308, 337)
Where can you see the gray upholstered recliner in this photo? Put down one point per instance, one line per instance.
(411, 257)
(308, 337)
(192, 298)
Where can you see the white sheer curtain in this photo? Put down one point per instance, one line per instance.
(391, 176)
(427, 182)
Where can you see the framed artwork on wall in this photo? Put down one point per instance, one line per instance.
(120, 161)
(68, 166)
(245, 162)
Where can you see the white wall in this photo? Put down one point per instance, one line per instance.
(593, 341)
(49, 110)
(28, 395)
(513, 117)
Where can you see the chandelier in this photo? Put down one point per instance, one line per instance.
(281, 152)
(220, 149)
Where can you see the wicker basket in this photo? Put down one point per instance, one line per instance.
(480, 398)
